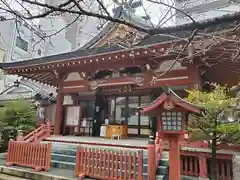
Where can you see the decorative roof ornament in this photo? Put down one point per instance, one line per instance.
(128, 6)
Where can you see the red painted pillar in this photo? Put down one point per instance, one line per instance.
(151, 169)
(58, 118)
(203, 166)
(174, 158)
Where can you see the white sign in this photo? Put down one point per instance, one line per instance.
(40, 113)
(73, 115)
(84, 122)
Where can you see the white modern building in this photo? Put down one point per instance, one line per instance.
(204, 9)
(19, 40)
(73, 31)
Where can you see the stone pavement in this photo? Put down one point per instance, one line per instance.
(28, 173)
(236, 167)
(8, 177)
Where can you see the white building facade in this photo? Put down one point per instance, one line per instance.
(20, 41)
(204, 9)
(73, 31)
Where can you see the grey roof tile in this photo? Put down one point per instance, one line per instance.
(211, 25)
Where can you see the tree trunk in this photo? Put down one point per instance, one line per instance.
(214, 159)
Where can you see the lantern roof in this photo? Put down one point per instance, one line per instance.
(170, 98)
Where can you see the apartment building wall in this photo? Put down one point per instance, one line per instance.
(20, 41)
(77, 34)
(204, 9)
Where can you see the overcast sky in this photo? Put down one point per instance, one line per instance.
(153, 10)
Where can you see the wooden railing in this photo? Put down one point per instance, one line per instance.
(190, 166)
(159, 146)
(224, 169)
(199, 165)
(109, 164)
(35, 155)
(43, 131)
(155, 149)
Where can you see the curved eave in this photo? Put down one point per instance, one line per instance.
(155, 104)
(207, 26)
(175, 100)
(187, 106)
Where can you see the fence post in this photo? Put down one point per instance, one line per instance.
(48, 124)
(151, 169)
(35, 137)
(203, 166)
(20, 136)
(10, 149)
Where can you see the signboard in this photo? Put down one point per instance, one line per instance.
(73, 115)
(40, 113)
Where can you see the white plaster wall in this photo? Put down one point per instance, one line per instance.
(191, 3)
(75, 76)
(6, 34)
(9, 32)
(57, 43)
(2, 53)
(78, 33)
(32, 35)
(67, 100)
(51, 113)
(166, 64)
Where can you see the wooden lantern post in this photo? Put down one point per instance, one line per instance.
(171, 113)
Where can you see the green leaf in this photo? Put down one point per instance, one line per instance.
(218, 107)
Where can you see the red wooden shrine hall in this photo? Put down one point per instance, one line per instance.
(79, 74)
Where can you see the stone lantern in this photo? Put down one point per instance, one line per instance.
(171, 113)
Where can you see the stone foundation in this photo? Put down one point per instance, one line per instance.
(236, 167)
(30, 174)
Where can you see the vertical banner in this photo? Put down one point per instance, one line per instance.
(73, 115)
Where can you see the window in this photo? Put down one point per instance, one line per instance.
(39, 52)
(125, 110)
(132, 112)
(172, 121)
(22, 44)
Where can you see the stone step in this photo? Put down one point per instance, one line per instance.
(161, 170)
(28, 173)
(158, 177)
(63, 157)
(63, 165)
(75, 146)
(9, 177)
(65, 151)
(165, 154)
(162, 162)
(161, 177)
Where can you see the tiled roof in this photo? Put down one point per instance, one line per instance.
(26, 94)
(209, 26)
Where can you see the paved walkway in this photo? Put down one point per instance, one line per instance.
(5, 177)
(141, 142)
(60, 173)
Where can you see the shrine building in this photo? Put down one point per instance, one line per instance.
(119, 71)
